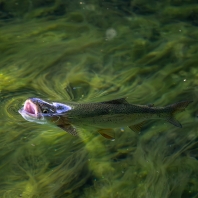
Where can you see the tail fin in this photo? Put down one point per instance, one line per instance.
(174, 109)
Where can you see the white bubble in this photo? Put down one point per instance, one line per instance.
(111, 33)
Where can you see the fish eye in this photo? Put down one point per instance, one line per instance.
(45, 111)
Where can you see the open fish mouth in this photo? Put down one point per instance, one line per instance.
(31, 108)
(31, 112)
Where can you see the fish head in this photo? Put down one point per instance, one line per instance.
(40, 111)
(35, 110)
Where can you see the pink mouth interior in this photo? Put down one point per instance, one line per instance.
(30, 107)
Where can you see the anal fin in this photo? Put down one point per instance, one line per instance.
(69, 128)
(175, 122)
(107, 133)
(137, 127)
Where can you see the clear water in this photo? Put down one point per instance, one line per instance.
(97, 51)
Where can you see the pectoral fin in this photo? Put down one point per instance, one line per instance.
(107, 133)
(137, 128)
(69, 128)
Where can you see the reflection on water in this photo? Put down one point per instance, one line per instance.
(97, 51)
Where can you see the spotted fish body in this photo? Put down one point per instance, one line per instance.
(103, 116)
(110, 115)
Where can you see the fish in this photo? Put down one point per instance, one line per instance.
(103, 116)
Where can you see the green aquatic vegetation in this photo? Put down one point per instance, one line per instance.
(152, 171)
(37, 169)
(182, 12)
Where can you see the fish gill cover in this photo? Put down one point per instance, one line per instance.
(92, 51)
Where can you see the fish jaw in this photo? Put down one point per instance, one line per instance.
(32, 113)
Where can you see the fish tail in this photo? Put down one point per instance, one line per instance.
(174, 109)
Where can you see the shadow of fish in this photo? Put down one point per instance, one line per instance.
(104, 116)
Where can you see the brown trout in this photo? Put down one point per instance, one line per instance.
(104, 116)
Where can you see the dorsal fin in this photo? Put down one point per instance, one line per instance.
(150, 105)
(117, 101)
